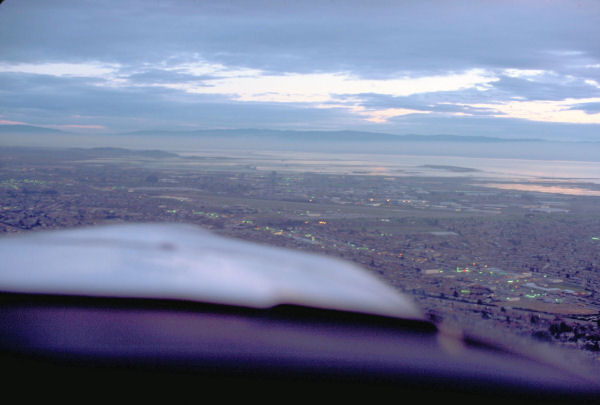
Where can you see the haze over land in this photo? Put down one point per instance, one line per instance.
(325, 142)
(481, 244)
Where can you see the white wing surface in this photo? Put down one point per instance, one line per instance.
(184, 262)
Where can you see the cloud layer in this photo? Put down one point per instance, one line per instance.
(503, 68)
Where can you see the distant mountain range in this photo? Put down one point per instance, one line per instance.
(325, 136)
(281, 135)
(287, 135)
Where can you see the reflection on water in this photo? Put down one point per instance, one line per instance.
(544, 189)
(578, 177)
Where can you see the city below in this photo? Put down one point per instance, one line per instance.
(516, 258)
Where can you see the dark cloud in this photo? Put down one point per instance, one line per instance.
(374, 38)
(554, 88)
(590, 108)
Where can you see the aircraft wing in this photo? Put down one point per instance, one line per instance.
(183, 262)
(157, 300)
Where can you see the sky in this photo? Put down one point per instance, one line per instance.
(514, 69)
